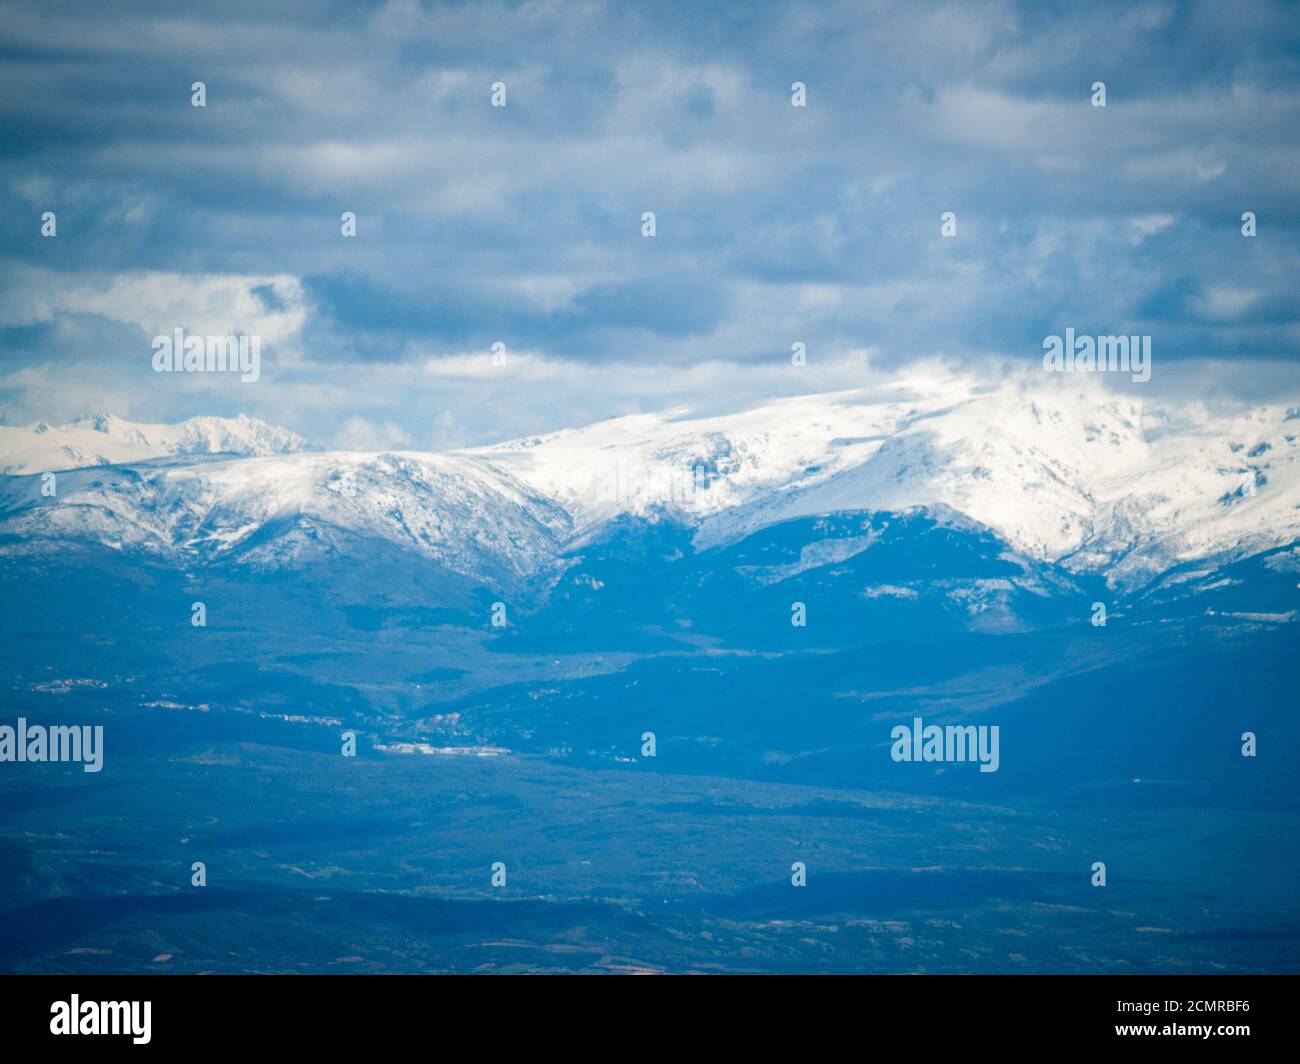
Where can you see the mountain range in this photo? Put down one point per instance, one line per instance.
(1110, 581)
(1064, 474)
(102, 439)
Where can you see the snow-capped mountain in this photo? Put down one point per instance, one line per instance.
(289, 510)
(1060, 472)
(107, 440)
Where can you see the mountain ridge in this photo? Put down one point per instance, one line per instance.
(1064, 473)
(105, 439)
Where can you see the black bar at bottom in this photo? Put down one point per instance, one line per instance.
(340, 1013)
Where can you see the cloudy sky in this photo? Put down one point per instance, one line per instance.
(775, 224)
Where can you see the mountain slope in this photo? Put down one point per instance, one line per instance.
(108, 440)
(1062, 472)
(289, 511)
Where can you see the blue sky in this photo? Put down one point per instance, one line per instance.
(522, 224)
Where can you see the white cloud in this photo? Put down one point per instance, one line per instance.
(157, 302)
(358, 434)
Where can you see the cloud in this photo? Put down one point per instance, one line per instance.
(157, 302)
(358, 434)
(521, 225)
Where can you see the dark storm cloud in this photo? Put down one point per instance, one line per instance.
(774, 223)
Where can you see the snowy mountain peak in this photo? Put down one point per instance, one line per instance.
(1062, 471)
(104, 439)
(1059, 471)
